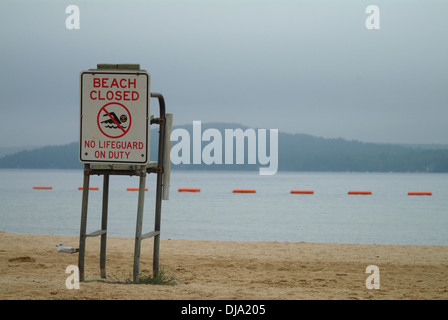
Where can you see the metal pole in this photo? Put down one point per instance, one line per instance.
(104, 225)
(158, 212)
(138, 230)
(167, 157)
(82, 233)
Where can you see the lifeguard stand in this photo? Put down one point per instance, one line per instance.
(139, 168)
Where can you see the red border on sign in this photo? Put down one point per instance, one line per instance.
(124, 131)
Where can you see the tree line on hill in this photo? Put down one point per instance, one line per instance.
(296, 152)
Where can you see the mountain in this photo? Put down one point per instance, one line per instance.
(49, 157)
(11, 150)
(296, 152)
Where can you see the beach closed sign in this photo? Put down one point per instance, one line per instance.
(115, 116)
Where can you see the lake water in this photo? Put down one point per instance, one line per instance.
(387, 216)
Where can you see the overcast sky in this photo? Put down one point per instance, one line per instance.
(298, 66)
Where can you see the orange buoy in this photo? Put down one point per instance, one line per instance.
(302, 191)
(42, 187)
(419, 193)
(135, 189)
(189, 190)
(360, 192)
(243, 191)
(90, 188)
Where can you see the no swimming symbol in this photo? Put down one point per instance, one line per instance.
(114, 120)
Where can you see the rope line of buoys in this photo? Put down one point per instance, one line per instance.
(350, 192)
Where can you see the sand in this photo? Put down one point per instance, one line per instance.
(31, 268)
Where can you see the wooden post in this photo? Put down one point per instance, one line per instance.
(82, 233)
(104, 225)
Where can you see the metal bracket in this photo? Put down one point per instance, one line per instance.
(158, 121)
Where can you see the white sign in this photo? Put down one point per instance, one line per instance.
(115, 116)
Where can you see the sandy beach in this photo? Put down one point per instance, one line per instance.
(31, 268)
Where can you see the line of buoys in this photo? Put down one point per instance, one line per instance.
(302, 191)
(360, 192)
(135, 189)
(419, 193)
(189, 190)
(351, 192)
(244, 191)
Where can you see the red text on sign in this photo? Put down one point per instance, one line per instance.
(114, 95)
(114, 83)
(112, 155)
(118, 95)
(134, 145)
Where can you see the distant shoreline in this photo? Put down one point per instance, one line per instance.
(296, 152)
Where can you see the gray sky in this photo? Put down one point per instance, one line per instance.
(298, 66)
